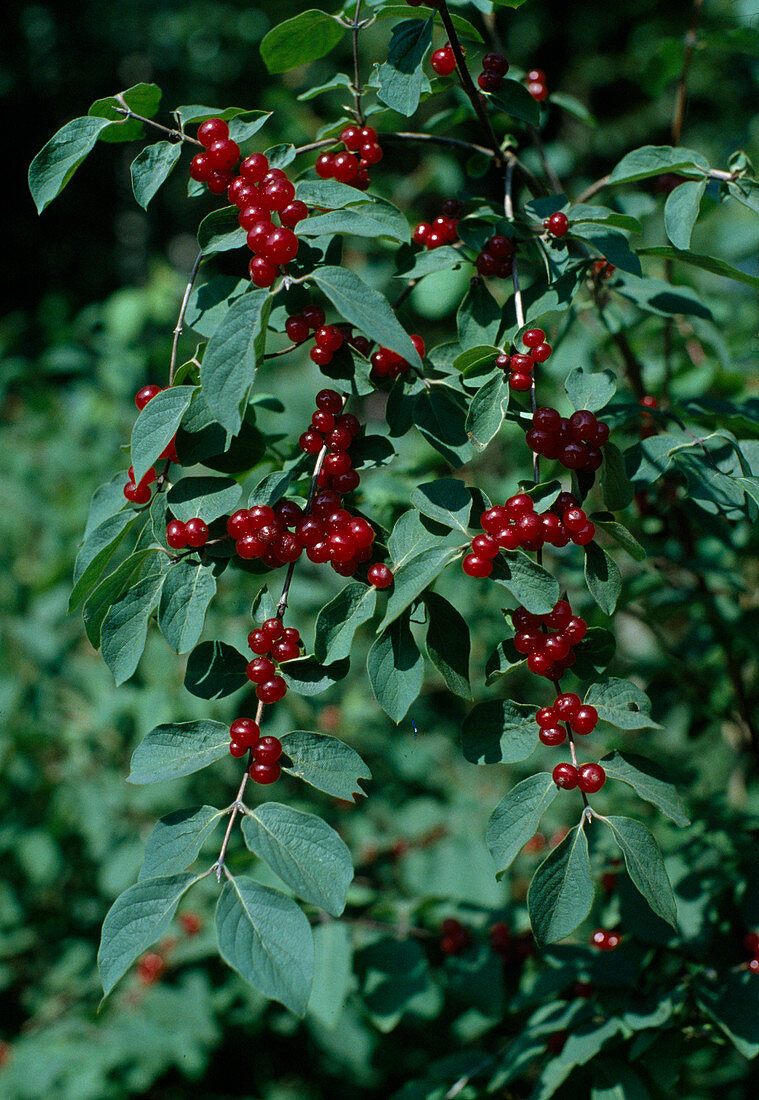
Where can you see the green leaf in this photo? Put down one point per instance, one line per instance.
(338, 621)
(415, 265)
(605, 522)
(516, 818)
(400, 78)
(187, 591)
(325, 762)
(706, 263)
(338, 81)
(413, 578)
(487, 411)
(220, 231)
(532, 585)
(561, 893)
(450, 502)
(661, 298)
(396, 668)
(653, 160)
(603, 577)
(307, 676)
(622, 704)
(137, 918)
(303, 850)
(157, 425)
(214, 670)
(208, 498)
(681, 211)
(152, 167)
(232, 356)
(243, 123)
(602, 215)
(125, 626)
(96, 551)
(176, 841)
(499, 731)
(170, 751)
(143, 99)
(410, 537)
(266, 938)
(611, 245)
(590, 391)
(440, 414)
(478, 318)
(616, 487)
(645, 866)
(270, 489)
(333, 972)
(56, 163)
(367, 219)
(502, 661)
(305, 37)
(647, 780)
(733, 1003)
(594, 653)
(367, 309)
(327, 193)
(573, 106)
(448, 643)
(103, 596)
(515, 100)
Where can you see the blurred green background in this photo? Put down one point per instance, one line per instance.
(90, 298)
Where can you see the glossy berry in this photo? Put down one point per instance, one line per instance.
(244, 731)
(293, 213)
(137, 494)
(223, 154)
(254, 168)
(285, 650)
(443, 61)
(489, 81)
(567, 705)
(197, 532)
(558, 224)
(213, 129)
(260, 670)
(585, 719)
(495, 63)
(281, 245)
(200, 167)
(262, 271)
(277, 194)
(565, 776)
(590, 778)
(297, 329)
(605, 940)
(264, 773)
(147, 393)
(552, 735)
(259, 642)
(475, 566)
(176, 535)
(532, 337)
(345, 167)
(236, 749)
(380, 575)
(267, 750)
(272, 690)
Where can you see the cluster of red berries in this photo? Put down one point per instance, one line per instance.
(494, 69)
(273, 644)
(261, 532)
(588, 777)
(567, 708)
(442, 230)
(336, 431)
(557, 225)
(311, 318)
(259, 192)
(245, 735)
(521, 365)
(139, 492)
(362, 150)
(516, 524)
(548, 640)
(536, 84)
(443, 61)
(512, 949)
(455, 938)
(575, 441)
(605, 940)
(150, 968)
(602, 269)
(496, 257)
(389, 364)
(193, 533)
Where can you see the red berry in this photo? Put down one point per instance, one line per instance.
(297, 329)
(540, 664)
(475, 566)
(277, 194)
(254, 168)
(487, 264)
(591, 777)
(150, 968)
(147, 393)
(443, 61)
(379, 575)
(259, 642)
(260, 670)
(552, 735)
(267, 750)
(330, 338)
(558, 224)
(197, 532)
(325, 166)
(605, 940)
(532, 337)
(546, 717)
(219, 180)
(495, 63)
(137, 494)
(281, 246)
(264, 773)
(567, 705)
(293, 213)
(546, 420)
(541, 352)
(272, 690)
(565, 776)
(236, 749)
(192, 923)
(213, 129)
(557, 647)
(176, 535)
(575, 630)
(262, 271)
(344, 167)
(520, 382)
(483, 546)
(751, 943)
(200, 167)
(421, 233)
(313, 316)
(258, 235)
(285, 651)
(321, 356)
(585, 535)
(273, 629)
(244, 731)
(351, 138)
(223, 154)
(537, 91)
(489, 81)
(499, 938)
(418, 343)
(371, 153)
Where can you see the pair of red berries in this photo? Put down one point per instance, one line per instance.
(214, 166)
(139, 492)
(442, 230)
(262, 533)
(194, 533)
(548, 641)
(141, 399)
(568, 708)
(311, 318)
(496, 258)
(557, 225)
(362, 150)
(536, 84)
(602, 269)
(271, 642)
(575, 442)
(455, 938)
(589, 778)
(494, 69)
(389, 364)
(245, 736)
(605, 940)
(521, 365)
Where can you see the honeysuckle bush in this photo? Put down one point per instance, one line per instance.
(494, 953)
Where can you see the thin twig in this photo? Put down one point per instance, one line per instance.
(550, 172)
(176, 134)
(467, 83)
(691, 39)
(180, 319)
(356, 72)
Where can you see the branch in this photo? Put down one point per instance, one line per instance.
(356, 73)
(180, 319)
(177, 135)
(682, 92)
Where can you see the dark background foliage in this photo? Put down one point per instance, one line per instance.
(88, 307)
